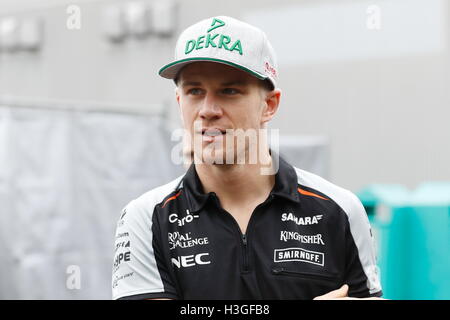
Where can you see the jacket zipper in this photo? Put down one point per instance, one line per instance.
(243, 236)
(245, 250)
(283, 271)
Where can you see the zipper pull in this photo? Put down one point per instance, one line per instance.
(277, 270)
(244, 239)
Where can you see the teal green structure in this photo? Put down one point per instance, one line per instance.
(412, 238)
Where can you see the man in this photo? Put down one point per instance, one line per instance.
(229, 228)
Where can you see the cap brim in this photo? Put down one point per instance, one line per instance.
(170, 71)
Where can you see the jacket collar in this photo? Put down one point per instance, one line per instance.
(285, 184)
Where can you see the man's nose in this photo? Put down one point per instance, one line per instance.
(210, 108)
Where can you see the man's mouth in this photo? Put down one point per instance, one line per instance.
(212, 132)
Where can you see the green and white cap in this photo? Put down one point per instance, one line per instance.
(225, 40)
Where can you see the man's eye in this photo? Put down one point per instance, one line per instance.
(195, 91)
(230, 91)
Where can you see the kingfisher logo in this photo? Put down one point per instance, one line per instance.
(301, 221)
(309, 239)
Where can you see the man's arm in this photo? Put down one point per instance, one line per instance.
(138, 272)
(361, 279)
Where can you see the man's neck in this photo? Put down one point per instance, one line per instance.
(239, 183)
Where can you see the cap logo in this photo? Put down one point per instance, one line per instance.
(215, 21)
(270, 69)
(223, 41)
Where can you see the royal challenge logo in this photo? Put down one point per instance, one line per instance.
(185, 240)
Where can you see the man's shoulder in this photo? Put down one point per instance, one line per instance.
(345, 198)
(146, 202)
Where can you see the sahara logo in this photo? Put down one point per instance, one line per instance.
(301, 221)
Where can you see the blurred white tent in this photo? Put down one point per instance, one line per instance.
(65, 174)
(66, 171)
(311, 153)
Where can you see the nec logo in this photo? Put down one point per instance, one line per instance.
(191, 260)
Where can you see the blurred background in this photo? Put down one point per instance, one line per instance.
(86, 125)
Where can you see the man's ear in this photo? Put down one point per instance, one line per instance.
(177, 95)
(271, 104)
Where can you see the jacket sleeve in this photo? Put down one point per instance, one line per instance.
(362, 273)
(136, 270)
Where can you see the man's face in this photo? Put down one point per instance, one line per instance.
(215, 101)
